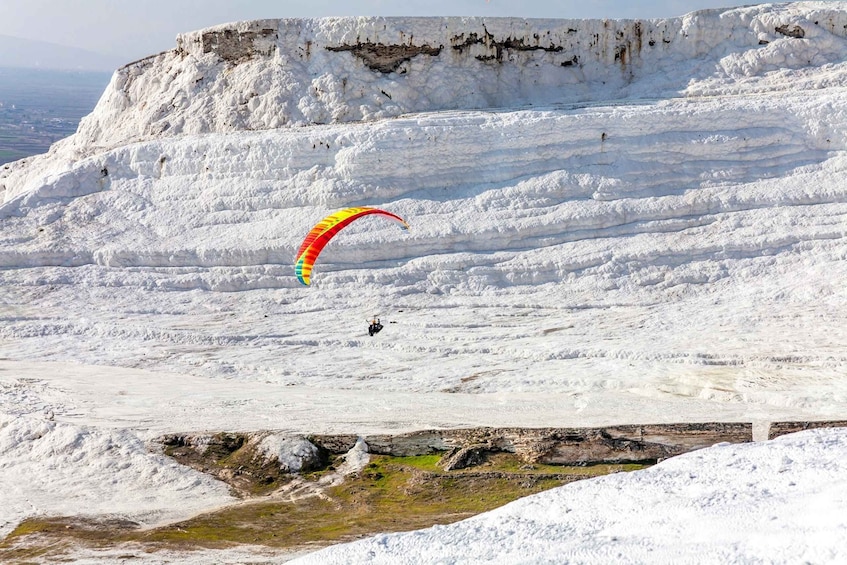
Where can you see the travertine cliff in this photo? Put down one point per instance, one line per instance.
(268, 74)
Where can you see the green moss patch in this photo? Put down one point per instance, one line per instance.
(390, 494)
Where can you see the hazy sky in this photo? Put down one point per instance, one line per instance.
(131, 29)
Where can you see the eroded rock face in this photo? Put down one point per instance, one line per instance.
(462, 448)
(461, 458)
(625, 443)
(235, 46)
(794, 31)
(386, 58)
(292, 454)
(275, 73)
(782, 428)
(556, 446)
(249, 462)
(413, 443)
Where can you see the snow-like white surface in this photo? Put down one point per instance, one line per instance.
(59, 469)
(777, 502)
(291, 452)
(669, 246)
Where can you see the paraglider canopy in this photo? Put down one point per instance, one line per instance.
(325, 230)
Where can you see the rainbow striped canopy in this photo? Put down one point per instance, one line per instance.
(325, 230)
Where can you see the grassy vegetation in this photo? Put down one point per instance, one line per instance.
(390, 494)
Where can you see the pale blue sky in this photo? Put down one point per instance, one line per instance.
(131, 29)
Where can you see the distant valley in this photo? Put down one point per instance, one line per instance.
(39, 107)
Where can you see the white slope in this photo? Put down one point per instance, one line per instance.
(776, 502)
(58, 469)
(675, 254)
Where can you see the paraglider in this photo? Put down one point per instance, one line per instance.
(374, 327)
(325, 230)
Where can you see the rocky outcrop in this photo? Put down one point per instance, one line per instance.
(794, 31)
(386, 58)
(554, 446)
(463, 457)
(236, 46)
(463, 448)
(782, 428)
(250, 463)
